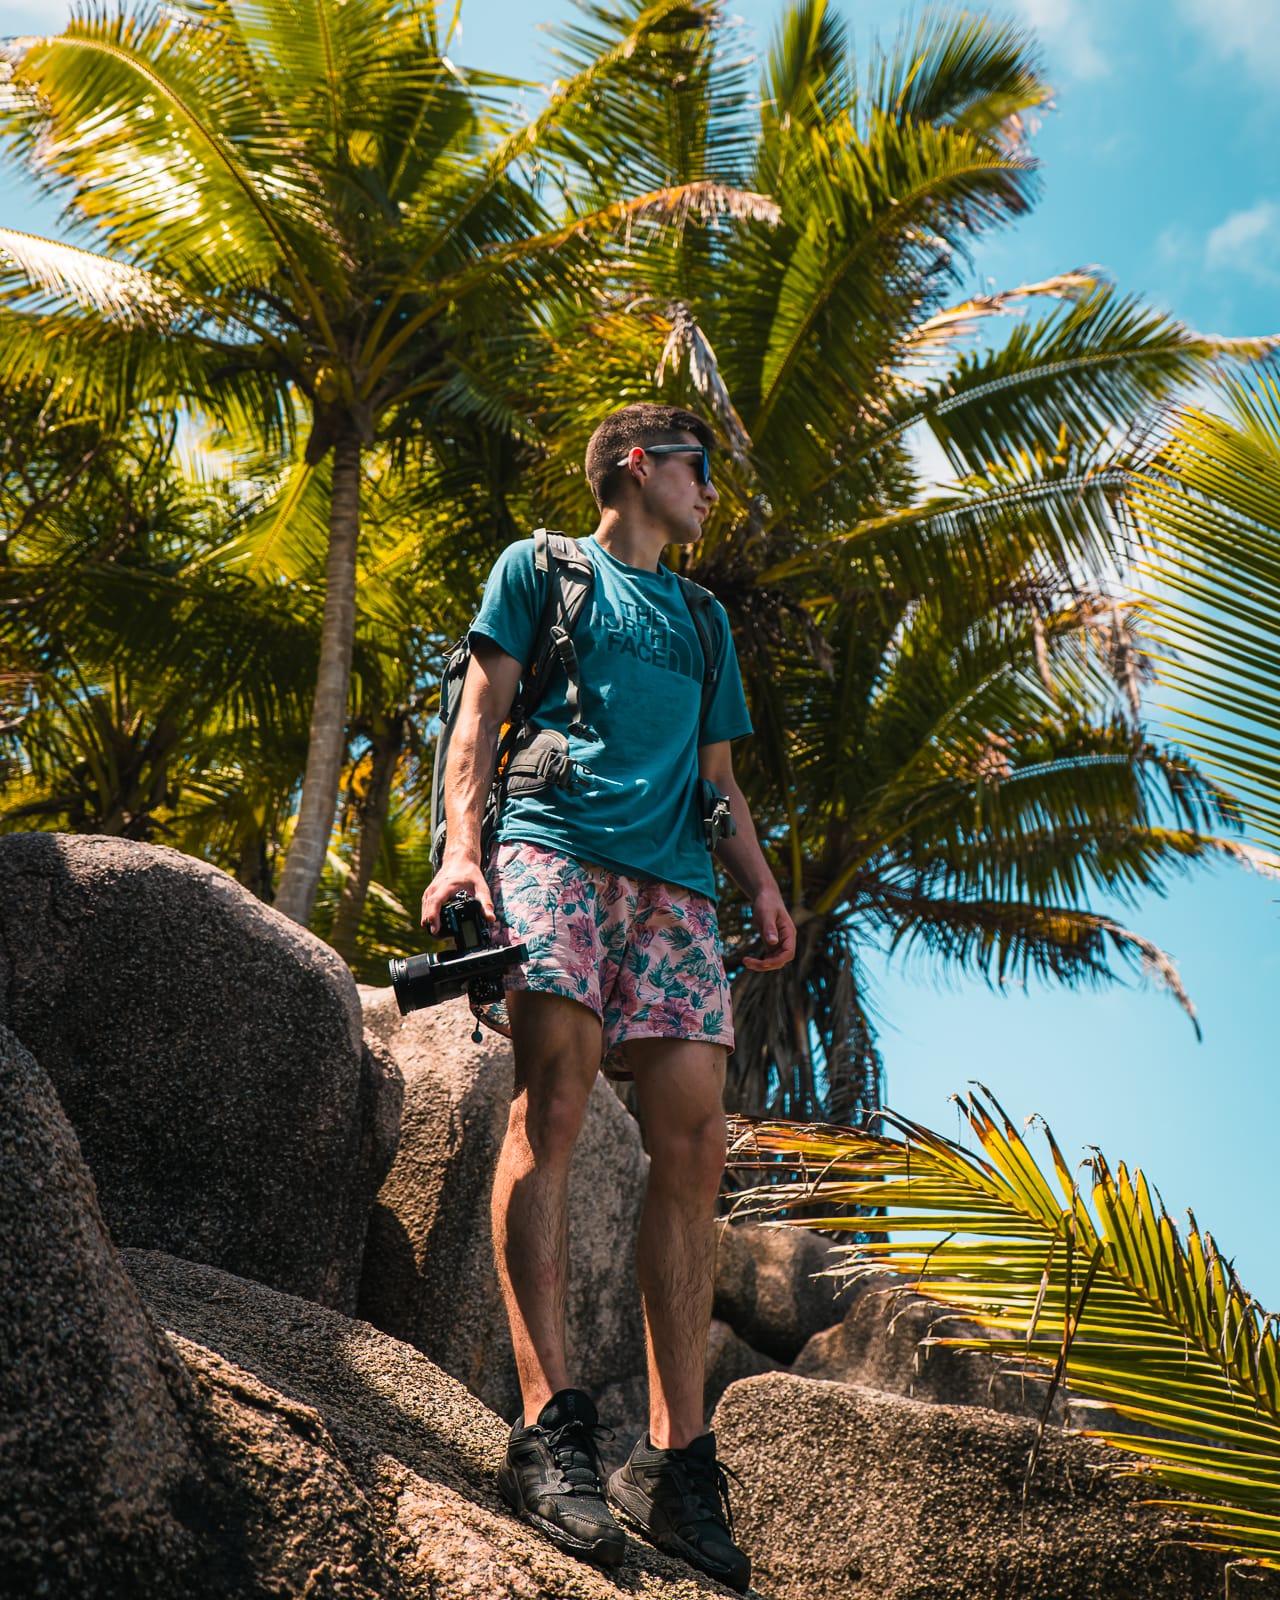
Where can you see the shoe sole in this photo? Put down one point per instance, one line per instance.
(670, 1544)
(558, 1536)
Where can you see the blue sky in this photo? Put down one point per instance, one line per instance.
(1159, 167)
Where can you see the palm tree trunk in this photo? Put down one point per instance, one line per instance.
(328, 739)
(387, 745)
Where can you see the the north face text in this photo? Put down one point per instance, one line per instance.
(644, 632)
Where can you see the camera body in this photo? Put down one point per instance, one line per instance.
(474, 966)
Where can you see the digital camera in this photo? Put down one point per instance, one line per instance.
(474, 966)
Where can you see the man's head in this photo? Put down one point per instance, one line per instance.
(609, 451)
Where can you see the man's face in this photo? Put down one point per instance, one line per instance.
(670, 491)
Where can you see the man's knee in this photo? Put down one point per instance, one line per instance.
(695, 1147)
(557, 1058)
(547, 1117)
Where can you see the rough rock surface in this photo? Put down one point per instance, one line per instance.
(429, 1277)
(94, 1452)
(767, 1289)
(379, 1467)
(852, 1495)
(879, 1343)
(283, 1513)
(208, 1053)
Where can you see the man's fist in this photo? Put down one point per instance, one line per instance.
(452, 876)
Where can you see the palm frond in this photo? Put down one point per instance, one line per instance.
(1092, 367)
(1207, 512)
(1095, 1282)
(191, 172)
(66, 273)
(940, 333)
(806, 76)
(970, 71)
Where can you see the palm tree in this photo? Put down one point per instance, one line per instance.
(155, 694)
(1206, 514)
(312, 221)
(425, 532)
(1099, 1289)
(921, 766)
(947, 749)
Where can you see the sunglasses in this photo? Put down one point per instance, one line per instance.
(702, 469)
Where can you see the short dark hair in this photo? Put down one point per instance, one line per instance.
(641, 424)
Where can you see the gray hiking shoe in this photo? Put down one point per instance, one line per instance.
(551, 1478)
(679, 1500)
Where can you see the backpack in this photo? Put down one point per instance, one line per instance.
(531, 758)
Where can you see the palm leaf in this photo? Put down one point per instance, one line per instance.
(1092, 367)
(1207, 510)
(963, 70)
(110, 287)
(1107, 1297)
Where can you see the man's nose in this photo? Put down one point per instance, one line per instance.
(710, 489)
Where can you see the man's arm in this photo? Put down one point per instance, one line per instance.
(744, 860)
(487, 692)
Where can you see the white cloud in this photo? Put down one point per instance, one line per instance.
(1174, 243)
(1248, 242)
(1068, 35)
(1249, 29)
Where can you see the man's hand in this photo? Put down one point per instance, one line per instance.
(453, 875)
(487, 692)
(776, 929)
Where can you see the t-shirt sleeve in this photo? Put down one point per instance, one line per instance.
(512, 603)
(727, 715)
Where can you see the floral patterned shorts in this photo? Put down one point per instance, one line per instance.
(642, 954)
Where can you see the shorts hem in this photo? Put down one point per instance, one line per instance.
(615, 1070)
(495, 1016)
(543, 986)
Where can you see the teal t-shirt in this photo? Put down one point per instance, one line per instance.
(641, 672)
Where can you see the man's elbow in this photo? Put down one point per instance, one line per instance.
(715, 763)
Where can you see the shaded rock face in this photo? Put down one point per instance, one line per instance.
(380, 1471)
(880, 1344)
(767, 1289)
(729, 1360)
(208, 1053)
(852, 1495)
(267, 1447)
(284, 1515)
(429, 1277)
(94, 1452)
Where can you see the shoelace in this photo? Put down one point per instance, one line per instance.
(708, 1483)
(573, 1449)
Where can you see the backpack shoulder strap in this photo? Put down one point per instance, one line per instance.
(705, 612)
(571, 577)
(551, 547)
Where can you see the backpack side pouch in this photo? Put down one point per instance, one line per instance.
(542, 761)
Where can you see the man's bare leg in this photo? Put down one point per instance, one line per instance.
(557, 1052)
(680, 1094)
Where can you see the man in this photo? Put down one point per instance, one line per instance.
(611, 886)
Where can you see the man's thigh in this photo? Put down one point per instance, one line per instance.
(556, 1043)
(679, 1092)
